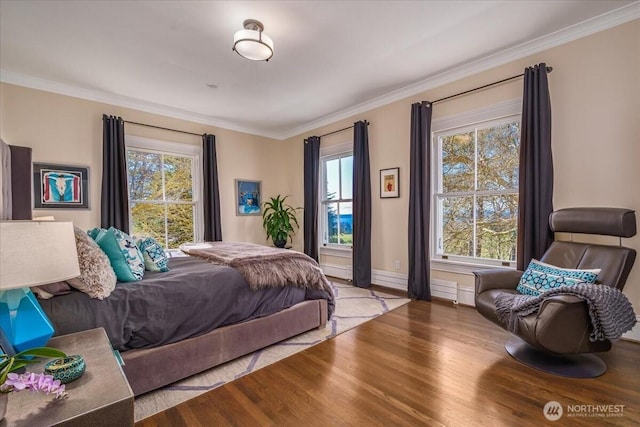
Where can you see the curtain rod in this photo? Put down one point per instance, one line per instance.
(159, 127)
(337, 131)
(549, 69)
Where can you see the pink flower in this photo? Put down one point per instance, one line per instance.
(35, 383)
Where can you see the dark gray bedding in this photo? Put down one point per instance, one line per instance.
(193, 298)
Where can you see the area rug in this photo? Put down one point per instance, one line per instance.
(354, 306)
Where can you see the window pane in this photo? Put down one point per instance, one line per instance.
(177, 178)
(458, 154)
(347, 177)
(496, 222)
(332, 179)
(332, 223)
(457, 225)
(148, 221)
(144, 175)
(179, 225)
(346, 223)
(498, 157)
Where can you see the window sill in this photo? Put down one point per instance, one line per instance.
(334, 251)
(462, 267)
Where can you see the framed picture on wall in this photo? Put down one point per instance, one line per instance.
(60, 186)
(390, 183)
(248, 197)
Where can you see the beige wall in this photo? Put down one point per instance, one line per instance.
(595, 96)
(67, 130)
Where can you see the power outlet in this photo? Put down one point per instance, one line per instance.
(396, 264)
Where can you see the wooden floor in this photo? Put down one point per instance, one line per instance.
(422, 364)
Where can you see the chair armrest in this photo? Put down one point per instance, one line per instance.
(563, 326)
(562, 299)
(496, 279)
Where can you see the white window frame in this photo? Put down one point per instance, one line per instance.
(148, 145)
(329, 153)
(503, 112)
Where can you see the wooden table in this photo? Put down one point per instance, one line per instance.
(101, 397)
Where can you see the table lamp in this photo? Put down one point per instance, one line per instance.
(32, 253)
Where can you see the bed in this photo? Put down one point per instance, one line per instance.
(171, 325)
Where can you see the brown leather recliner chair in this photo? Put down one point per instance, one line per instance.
(556, 338)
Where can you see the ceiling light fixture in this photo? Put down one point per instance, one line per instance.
(252, 43)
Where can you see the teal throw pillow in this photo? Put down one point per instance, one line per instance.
(155, 259)
(540, 277)
(124, 255)
(93, 233)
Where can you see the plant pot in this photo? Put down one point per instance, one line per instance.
(279, 243)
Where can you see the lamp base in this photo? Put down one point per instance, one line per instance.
(23, 321)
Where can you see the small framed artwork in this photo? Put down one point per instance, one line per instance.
(389, 183)
(248, 197)
(60, 186)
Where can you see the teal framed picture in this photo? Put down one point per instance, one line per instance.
(248, 197)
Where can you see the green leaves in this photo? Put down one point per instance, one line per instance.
(278, 219)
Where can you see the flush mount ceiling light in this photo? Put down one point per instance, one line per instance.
(252, 43)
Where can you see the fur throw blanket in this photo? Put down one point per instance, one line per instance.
(263, 266)
(609, 309)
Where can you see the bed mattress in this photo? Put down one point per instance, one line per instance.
(193, 298)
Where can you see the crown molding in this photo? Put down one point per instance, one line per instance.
(124, 101)
(574, 32)
(566, 35)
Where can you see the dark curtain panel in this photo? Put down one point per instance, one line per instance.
(419, 202)
(114, 210)
(535, 201)
(311, 188)
(212, 219)
(361, 206)
(21, 182)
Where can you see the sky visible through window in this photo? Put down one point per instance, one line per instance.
(338, 206)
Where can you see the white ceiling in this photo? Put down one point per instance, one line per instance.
(332, 58)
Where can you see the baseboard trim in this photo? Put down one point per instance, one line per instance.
(466, 296)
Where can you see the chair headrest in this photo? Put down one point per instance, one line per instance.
(618, 222)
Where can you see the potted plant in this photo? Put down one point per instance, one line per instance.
(278, 220)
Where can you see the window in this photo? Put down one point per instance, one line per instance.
(336, 224)
(476, 192)
(163, 200)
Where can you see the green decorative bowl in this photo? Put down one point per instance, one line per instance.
(66, 369)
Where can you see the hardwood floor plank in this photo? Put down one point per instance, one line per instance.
(421, 364)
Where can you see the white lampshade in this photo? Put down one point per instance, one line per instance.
(252, 43)
(35, 253)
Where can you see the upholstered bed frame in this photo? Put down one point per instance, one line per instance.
(149, 369)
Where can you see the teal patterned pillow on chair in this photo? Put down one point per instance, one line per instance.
(540, 277)
(154, 256)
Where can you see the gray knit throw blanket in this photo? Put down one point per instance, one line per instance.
(610, 310)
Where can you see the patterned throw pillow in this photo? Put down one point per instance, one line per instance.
(123, 253)
(154, 257)
(540, 277)
(97, 278)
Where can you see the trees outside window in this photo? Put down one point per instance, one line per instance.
(162, 201)
(476, 197)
